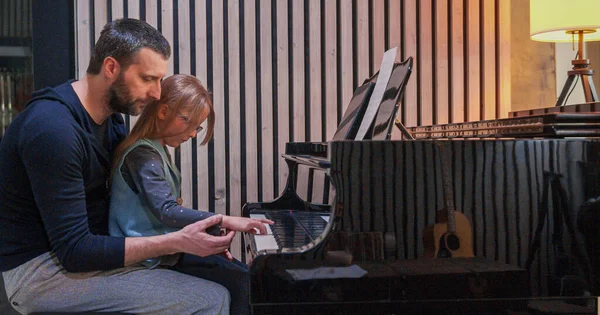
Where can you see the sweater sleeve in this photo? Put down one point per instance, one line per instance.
(143, 170)
(53, 154)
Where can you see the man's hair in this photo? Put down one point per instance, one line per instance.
(122, 39)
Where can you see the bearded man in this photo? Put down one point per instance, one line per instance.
(55, 158)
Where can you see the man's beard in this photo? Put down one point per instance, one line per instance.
(120, 100)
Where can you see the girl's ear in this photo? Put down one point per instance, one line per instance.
(163, 111)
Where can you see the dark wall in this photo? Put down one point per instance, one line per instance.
(53, 42)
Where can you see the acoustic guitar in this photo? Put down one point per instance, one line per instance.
(451, 236)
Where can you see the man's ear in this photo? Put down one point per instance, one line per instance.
(111, 68)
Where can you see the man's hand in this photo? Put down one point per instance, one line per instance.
(245, 224)
(194, 240)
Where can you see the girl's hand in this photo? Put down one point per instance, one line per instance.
(245, 224)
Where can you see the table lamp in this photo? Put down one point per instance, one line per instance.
(568, 21)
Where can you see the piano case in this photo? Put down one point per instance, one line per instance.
(410, 285)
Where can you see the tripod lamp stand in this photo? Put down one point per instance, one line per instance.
(568, 21)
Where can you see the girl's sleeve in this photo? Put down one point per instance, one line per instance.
(143, 171)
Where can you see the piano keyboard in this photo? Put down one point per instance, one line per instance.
(291, 229)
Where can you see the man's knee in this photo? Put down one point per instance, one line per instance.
(215, 299)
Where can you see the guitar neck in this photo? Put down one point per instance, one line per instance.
(447, 186)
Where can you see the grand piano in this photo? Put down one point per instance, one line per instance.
(520, 187)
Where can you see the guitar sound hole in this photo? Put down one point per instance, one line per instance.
(452, 242)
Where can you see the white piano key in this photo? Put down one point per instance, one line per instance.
(265, 242)
(262, 216)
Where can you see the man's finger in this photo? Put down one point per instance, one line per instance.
(225, 240)
(210, 221)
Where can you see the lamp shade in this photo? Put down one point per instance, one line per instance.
(550, 20)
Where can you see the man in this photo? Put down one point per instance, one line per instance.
(55, 254)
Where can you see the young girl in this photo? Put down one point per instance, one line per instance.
(145, 184)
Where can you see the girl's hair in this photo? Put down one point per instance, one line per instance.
(184, 94)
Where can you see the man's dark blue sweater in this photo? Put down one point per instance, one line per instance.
(53, 192)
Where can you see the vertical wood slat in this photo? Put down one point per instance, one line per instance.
(218, 88)
(331, 78)
(185, 149)
(473, 73)
(346, 65)
(394, 40)
(167, 28)
(299, 88)
(503, 45)
(117, 9)
(234, 119)
(133, 11)
(425, 73)
(440, 72)
(489, 59)
(457, 77)
(298, 69)
(200, 43)
(100, 18)
(266, 101)
(410, 114)
(251, 101)
(315, 68)
(283, 89)
(362, 41)
(378, 34)
(83, 37)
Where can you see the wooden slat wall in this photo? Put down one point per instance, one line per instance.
(284, 71)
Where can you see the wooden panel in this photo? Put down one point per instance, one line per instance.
(316, 88)
(200, 43)
(251, 101)
(166, 28)
(266, 102)
(441, 62)
(83, 37)
(117, 11)
(503, 45)
(473, 59)
(331, 78)
(283, 89)
(362, 56)
(183, 47)
(298, 70)
(218, 90)
(347, 56)
(489, 60)
(410, 112)
(394, 29)
(133, 11)
(100, 18)
(234, 119)
(457, 78)
(425, 60)
(378, 35)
